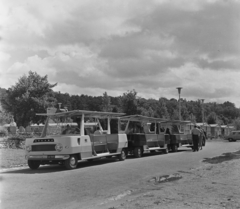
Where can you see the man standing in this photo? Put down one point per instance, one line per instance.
(195, 137)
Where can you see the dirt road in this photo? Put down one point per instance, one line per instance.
(175, 180)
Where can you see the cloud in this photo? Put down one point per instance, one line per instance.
(153, 46)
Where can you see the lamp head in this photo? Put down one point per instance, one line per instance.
(179, 90)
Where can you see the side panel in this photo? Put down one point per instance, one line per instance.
(184, 139)
(162, 138)
(152, 140)
(122, 142)
(136, 140)
(112, 142)
(70, 145)
(99, 143)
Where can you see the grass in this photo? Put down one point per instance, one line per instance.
(12, 158)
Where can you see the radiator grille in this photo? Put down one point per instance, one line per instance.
(48, 147)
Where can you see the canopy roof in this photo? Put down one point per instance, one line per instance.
(141, 118)
(175, 122)
(86, 113)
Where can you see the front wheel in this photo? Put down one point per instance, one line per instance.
(33, 164)
(230, 140)
(71, 162)
(137, 152)
(122, 156)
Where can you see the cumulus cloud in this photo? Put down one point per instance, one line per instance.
(90, 46)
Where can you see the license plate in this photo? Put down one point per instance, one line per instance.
(51, 156)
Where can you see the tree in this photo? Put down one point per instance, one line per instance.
(236, 123)
(212, 118)
(162, 110)
(128, 102)
(106, 103)
(30, 95)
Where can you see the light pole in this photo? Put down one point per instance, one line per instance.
(179, 101)
(202, 100)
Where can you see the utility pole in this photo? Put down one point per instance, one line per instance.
(179, 101)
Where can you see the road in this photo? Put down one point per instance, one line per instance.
(92, 184)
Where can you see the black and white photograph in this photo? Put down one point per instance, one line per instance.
(119, 104)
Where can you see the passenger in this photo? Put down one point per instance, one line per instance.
(200, 138)
(195, 138)
(168, 131)
(98, 131)
(67, 130)
(204, 137)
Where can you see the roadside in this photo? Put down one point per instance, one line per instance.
(215, 184)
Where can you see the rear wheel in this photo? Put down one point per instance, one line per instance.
(230, 140)
(33, 164)
(71, 162)
(122, 156)
(137, 152)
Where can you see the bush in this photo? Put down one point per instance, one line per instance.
(3, 131)
(17, 137)
(16, 141)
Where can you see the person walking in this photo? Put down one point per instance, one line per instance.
(200, 138)
(195, 137)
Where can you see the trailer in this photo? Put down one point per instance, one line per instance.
(143, 135)
(179, 136)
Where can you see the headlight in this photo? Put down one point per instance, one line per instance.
(58, 147)
(28, 148)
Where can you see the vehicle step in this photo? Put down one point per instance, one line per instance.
(154, 148)
(103, 154)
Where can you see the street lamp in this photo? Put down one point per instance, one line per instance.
(202, 100)
(179, 101)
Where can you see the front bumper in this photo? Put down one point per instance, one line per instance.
(47, 157)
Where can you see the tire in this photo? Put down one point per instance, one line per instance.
(71, 162)
(174, 147)
(138, 152)
(230, 139)
(33, 164)
(122, 156)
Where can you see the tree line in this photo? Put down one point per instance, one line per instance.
(33, 94)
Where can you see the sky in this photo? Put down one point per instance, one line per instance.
(153, 46)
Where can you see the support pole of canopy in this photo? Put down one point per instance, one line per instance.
(108, 126)
(82, 126)
(155, 128)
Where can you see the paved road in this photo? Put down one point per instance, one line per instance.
(93, 183)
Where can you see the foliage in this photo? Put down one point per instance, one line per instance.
(236, 123)
(3, 131)
(5, 118)
(212, 118)
(31, 94)
(129, 103)
(106, 103)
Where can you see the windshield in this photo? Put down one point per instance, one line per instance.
(61, 126)
(67, 125)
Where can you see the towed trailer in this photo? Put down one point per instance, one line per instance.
(68, 145)
(177, 137)
(141, 138)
